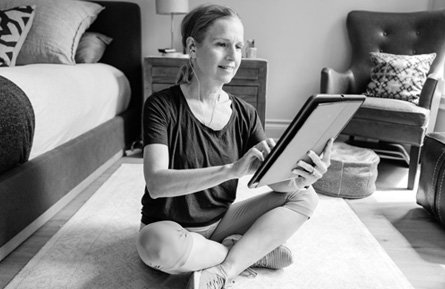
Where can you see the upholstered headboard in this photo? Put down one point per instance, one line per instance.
(122, 21)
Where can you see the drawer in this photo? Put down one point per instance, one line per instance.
(166, 72)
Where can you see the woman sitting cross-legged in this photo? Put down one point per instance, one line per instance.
(198, 141)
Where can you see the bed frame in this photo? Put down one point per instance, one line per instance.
(30, 194)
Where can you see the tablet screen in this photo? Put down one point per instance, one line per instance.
(322, 117)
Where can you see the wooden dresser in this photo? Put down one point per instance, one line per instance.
(249, 82)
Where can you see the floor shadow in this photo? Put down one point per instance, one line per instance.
(425, 234)
(392, 175)
(118, 265)
(97, 257)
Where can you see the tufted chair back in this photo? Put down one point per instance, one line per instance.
(393, 123)
(395, 33)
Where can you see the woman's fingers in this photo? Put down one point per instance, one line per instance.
(307, 171)
(327, 151)
(270, 142)
(312, 172)
(265, 147)
(322, 162)
(259, 154)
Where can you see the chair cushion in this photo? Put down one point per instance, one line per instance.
(399, 76)
(393, 111)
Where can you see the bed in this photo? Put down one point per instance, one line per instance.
(52, 142)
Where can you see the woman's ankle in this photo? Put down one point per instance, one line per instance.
(227, 271)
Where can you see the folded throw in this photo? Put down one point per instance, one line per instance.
(17, 124)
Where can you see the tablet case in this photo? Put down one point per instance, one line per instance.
(321, 118)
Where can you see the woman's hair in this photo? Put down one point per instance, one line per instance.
(196, 24)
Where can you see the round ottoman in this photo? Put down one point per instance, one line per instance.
(352, 173)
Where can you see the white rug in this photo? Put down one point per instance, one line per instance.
(96, 249)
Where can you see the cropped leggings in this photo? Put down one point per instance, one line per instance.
(166, 246)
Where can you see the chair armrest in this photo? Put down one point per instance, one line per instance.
(429, 91)
(430, 98)
(333, 82)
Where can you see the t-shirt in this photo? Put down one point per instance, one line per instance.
(167, 119)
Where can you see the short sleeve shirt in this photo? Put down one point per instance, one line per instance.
(167, 119)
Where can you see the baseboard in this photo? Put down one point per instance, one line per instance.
(11, 245)
(276, 127)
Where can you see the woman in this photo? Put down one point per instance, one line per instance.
(198, 141)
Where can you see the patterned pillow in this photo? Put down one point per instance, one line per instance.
(57, 28)
(399, 76)
(14, 27)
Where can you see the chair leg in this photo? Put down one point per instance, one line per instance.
(413, 166)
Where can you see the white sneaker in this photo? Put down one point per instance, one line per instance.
(279, 258)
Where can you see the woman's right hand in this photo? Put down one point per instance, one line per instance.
(252, 159)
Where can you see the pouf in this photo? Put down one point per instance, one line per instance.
(352, 173)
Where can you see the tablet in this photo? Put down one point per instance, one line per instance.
(321, 118)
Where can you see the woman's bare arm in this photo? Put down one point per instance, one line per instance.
(164, 182)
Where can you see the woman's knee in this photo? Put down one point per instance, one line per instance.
(303, 201)
(164, 246)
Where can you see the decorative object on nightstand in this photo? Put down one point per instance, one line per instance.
(251, 49)
(171, 7)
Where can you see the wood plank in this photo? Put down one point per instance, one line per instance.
(46, 216)
(15, 261)
(411, 237)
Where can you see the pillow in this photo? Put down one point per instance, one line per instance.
(399, 76)
(91, 47)
(14, 27)
(56, 30)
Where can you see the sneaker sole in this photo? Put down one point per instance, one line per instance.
(194, 280)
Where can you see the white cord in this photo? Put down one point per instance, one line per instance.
(200, 100)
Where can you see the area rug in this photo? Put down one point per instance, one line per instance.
(96, 248)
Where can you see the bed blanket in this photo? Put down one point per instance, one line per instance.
(17, 123)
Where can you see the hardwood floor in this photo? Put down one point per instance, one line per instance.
(411, 237)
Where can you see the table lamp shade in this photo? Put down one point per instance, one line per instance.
(172, 6)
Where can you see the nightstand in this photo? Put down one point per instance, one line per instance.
(249, 82)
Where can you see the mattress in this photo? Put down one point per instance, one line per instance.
(69, 100)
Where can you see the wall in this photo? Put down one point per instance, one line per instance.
(298, 38)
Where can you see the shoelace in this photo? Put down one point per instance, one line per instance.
(249, 273)
(216, 283)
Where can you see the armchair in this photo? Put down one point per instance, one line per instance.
(383, 122)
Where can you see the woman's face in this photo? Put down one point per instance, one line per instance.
(219, 55)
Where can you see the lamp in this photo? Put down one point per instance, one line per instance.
(172, 7)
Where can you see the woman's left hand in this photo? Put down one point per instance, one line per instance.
(306, 174)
